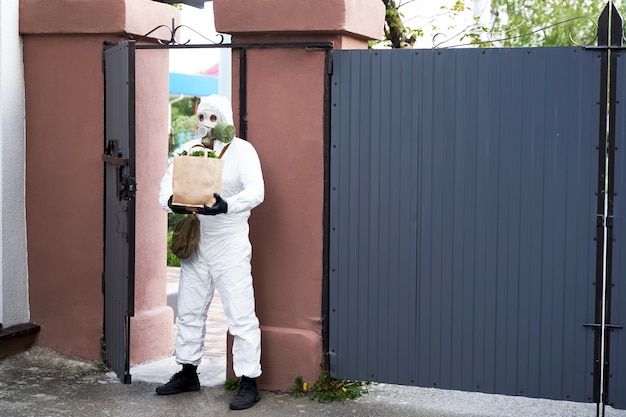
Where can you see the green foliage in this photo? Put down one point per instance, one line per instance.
(459, 6)
(397, 32)
(520, 23)
(231, 384)
(512, 23)
(183, 129)
(211, 153)
(184, 107)
(183, 122)
(172, 260)
(172, 219)
(327, 389)
(299, 388)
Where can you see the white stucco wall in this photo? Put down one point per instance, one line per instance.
(14, 308)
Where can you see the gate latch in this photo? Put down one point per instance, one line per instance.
(126, 187)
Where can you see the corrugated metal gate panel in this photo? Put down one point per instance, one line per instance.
(617, 360)
(119, 216)
(462, 218)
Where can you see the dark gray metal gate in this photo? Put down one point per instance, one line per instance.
(118, 279)
(462, 219)
(465, 249)
(617, 223)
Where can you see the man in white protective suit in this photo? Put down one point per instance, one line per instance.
(221, 259)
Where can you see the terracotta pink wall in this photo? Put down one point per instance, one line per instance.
(287, 231)
(63, 41)
(64, 191)
(285, 116)
(151, 327)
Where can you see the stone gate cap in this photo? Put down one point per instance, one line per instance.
(360, 18)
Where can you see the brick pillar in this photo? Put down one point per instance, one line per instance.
(285, 113)
(64, 88)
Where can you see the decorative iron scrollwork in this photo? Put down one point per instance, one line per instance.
(173, 29)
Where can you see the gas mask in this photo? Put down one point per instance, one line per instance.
(215, 121)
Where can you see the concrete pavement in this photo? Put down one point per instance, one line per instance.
(43, 383)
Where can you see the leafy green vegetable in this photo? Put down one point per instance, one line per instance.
(212, 154)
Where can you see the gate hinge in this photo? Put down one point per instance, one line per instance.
(609, 221)
(599, 220)
(329, 64)
(332, 361)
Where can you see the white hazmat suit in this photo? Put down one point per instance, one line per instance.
(222, 258)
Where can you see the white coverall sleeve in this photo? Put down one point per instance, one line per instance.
(253, 187)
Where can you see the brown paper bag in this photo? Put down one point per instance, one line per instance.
(195, 179)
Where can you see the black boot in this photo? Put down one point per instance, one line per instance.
(246, 396)
(183, 381)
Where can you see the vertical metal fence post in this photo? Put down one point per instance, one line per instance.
(609, 39)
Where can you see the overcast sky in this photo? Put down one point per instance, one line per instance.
(417, 14)
(195, 61)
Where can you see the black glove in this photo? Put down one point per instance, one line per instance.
(220, 206)
(177, 209)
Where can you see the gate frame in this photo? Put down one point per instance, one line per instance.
(124, 170)
(610, 38)
(243, 47)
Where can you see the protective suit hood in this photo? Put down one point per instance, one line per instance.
(215, 119)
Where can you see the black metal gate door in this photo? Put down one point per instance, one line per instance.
(119, 217)
(463, 189)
